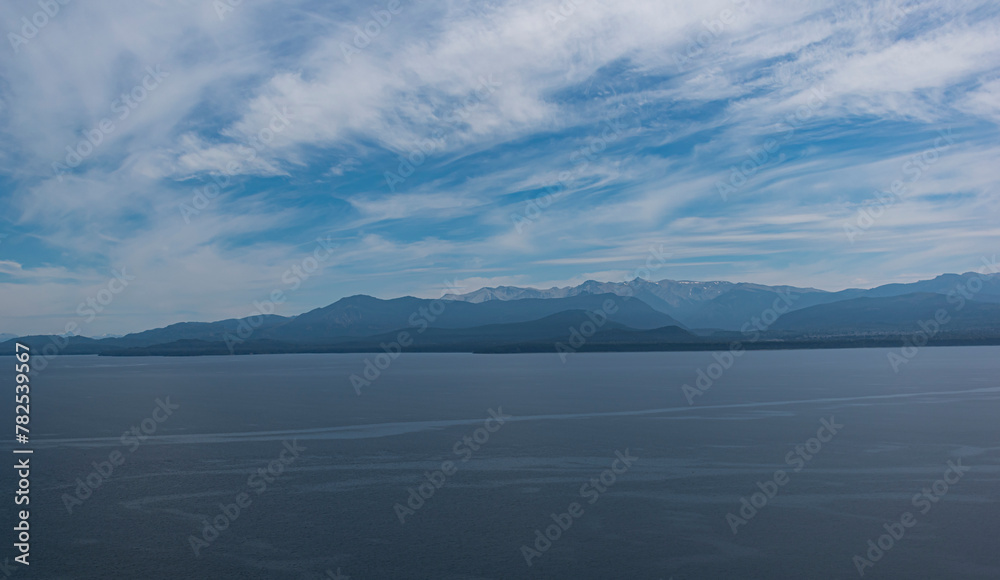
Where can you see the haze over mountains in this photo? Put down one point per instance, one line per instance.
(727, 305)
(634, 315)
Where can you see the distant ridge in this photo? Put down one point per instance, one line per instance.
(727, 305)
(635, 315)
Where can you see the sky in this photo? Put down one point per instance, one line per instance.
(178, 160)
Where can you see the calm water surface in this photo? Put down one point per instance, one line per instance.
(336, 502)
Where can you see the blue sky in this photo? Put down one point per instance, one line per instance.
(742, 136)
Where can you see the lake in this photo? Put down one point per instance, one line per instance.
(459, 466)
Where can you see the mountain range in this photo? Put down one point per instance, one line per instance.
(634, 315)
(728, 305)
